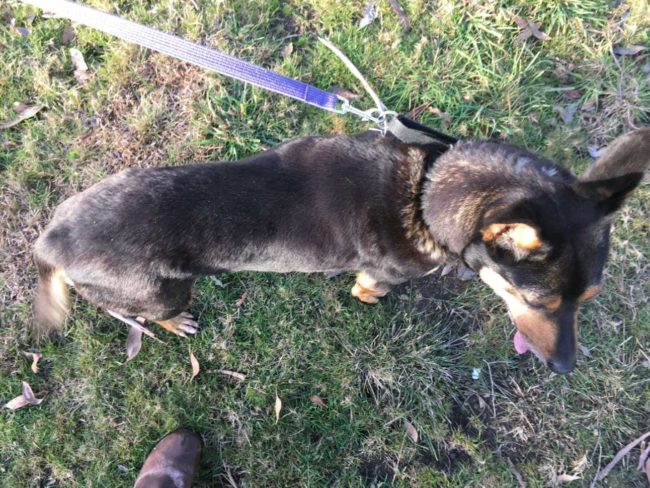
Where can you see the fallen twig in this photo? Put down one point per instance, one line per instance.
(233, 374)
(494, 408)
(135, 324)
(619, 455)
(520, 479)
(401, 15)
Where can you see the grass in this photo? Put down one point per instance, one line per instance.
(409, 358)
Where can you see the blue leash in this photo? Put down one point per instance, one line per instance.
(207, 58)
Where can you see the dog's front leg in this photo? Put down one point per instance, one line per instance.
(369, 290)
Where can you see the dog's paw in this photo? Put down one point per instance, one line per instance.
(364, 295)
(181, 325)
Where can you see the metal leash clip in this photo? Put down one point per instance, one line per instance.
(380, 117)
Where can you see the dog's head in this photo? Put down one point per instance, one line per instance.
(544, 251)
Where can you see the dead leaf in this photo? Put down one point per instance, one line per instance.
(529, 28)
(27, 398)
(217, 282)
(629, 51)
(584, 349)
(345, 93)
(68, 35)
(620, 455)
(481, 403)
(581, 464)
(414, 113)
(369, 15)
(195, 366)
(79, 63)
(233, 374)
(287, 50)
(520, 479)
(534, 28)
(411, 432)
(242, 300)
(318, 401)
(278, 408)
(523, 35)
(401, 15)
(573, 94)
(449, 267)
(566, 478)
(521, 22)
(25, 112)
(133, 343)
(35, 357)
(464, 273)
(566, 113)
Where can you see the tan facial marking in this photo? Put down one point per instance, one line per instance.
(589, 293)
(537, 328)
(552, 304)
(523, 236)
(540, 332)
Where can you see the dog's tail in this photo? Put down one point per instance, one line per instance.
(52, 301)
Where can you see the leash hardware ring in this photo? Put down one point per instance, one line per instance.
(376, 115)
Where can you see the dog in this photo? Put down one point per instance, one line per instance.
(390, 207)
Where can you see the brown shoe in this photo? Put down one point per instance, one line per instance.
(172, 463)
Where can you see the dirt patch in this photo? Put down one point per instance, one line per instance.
(447, 459)
(431, 298)
(375, 469)
(459, 418)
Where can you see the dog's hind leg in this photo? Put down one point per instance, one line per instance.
(163, 301)
(369, 290)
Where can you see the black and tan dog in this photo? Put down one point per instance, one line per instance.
(389, 208)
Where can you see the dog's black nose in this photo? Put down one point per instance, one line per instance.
(562, 366)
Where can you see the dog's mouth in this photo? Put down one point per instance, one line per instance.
(521, 344)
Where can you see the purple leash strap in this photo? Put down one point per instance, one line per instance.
(196, 54)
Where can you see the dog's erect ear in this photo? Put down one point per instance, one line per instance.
(617, 172)
(512, 229)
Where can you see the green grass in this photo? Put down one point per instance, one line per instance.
(409, 358)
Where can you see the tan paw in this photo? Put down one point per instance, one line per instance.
(181, 325)
(364, 295)
(369, 290)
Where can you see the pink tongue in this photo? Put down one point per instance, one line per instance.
(521, 346)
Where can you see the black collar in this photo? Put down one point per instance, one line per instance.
(410, 132)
